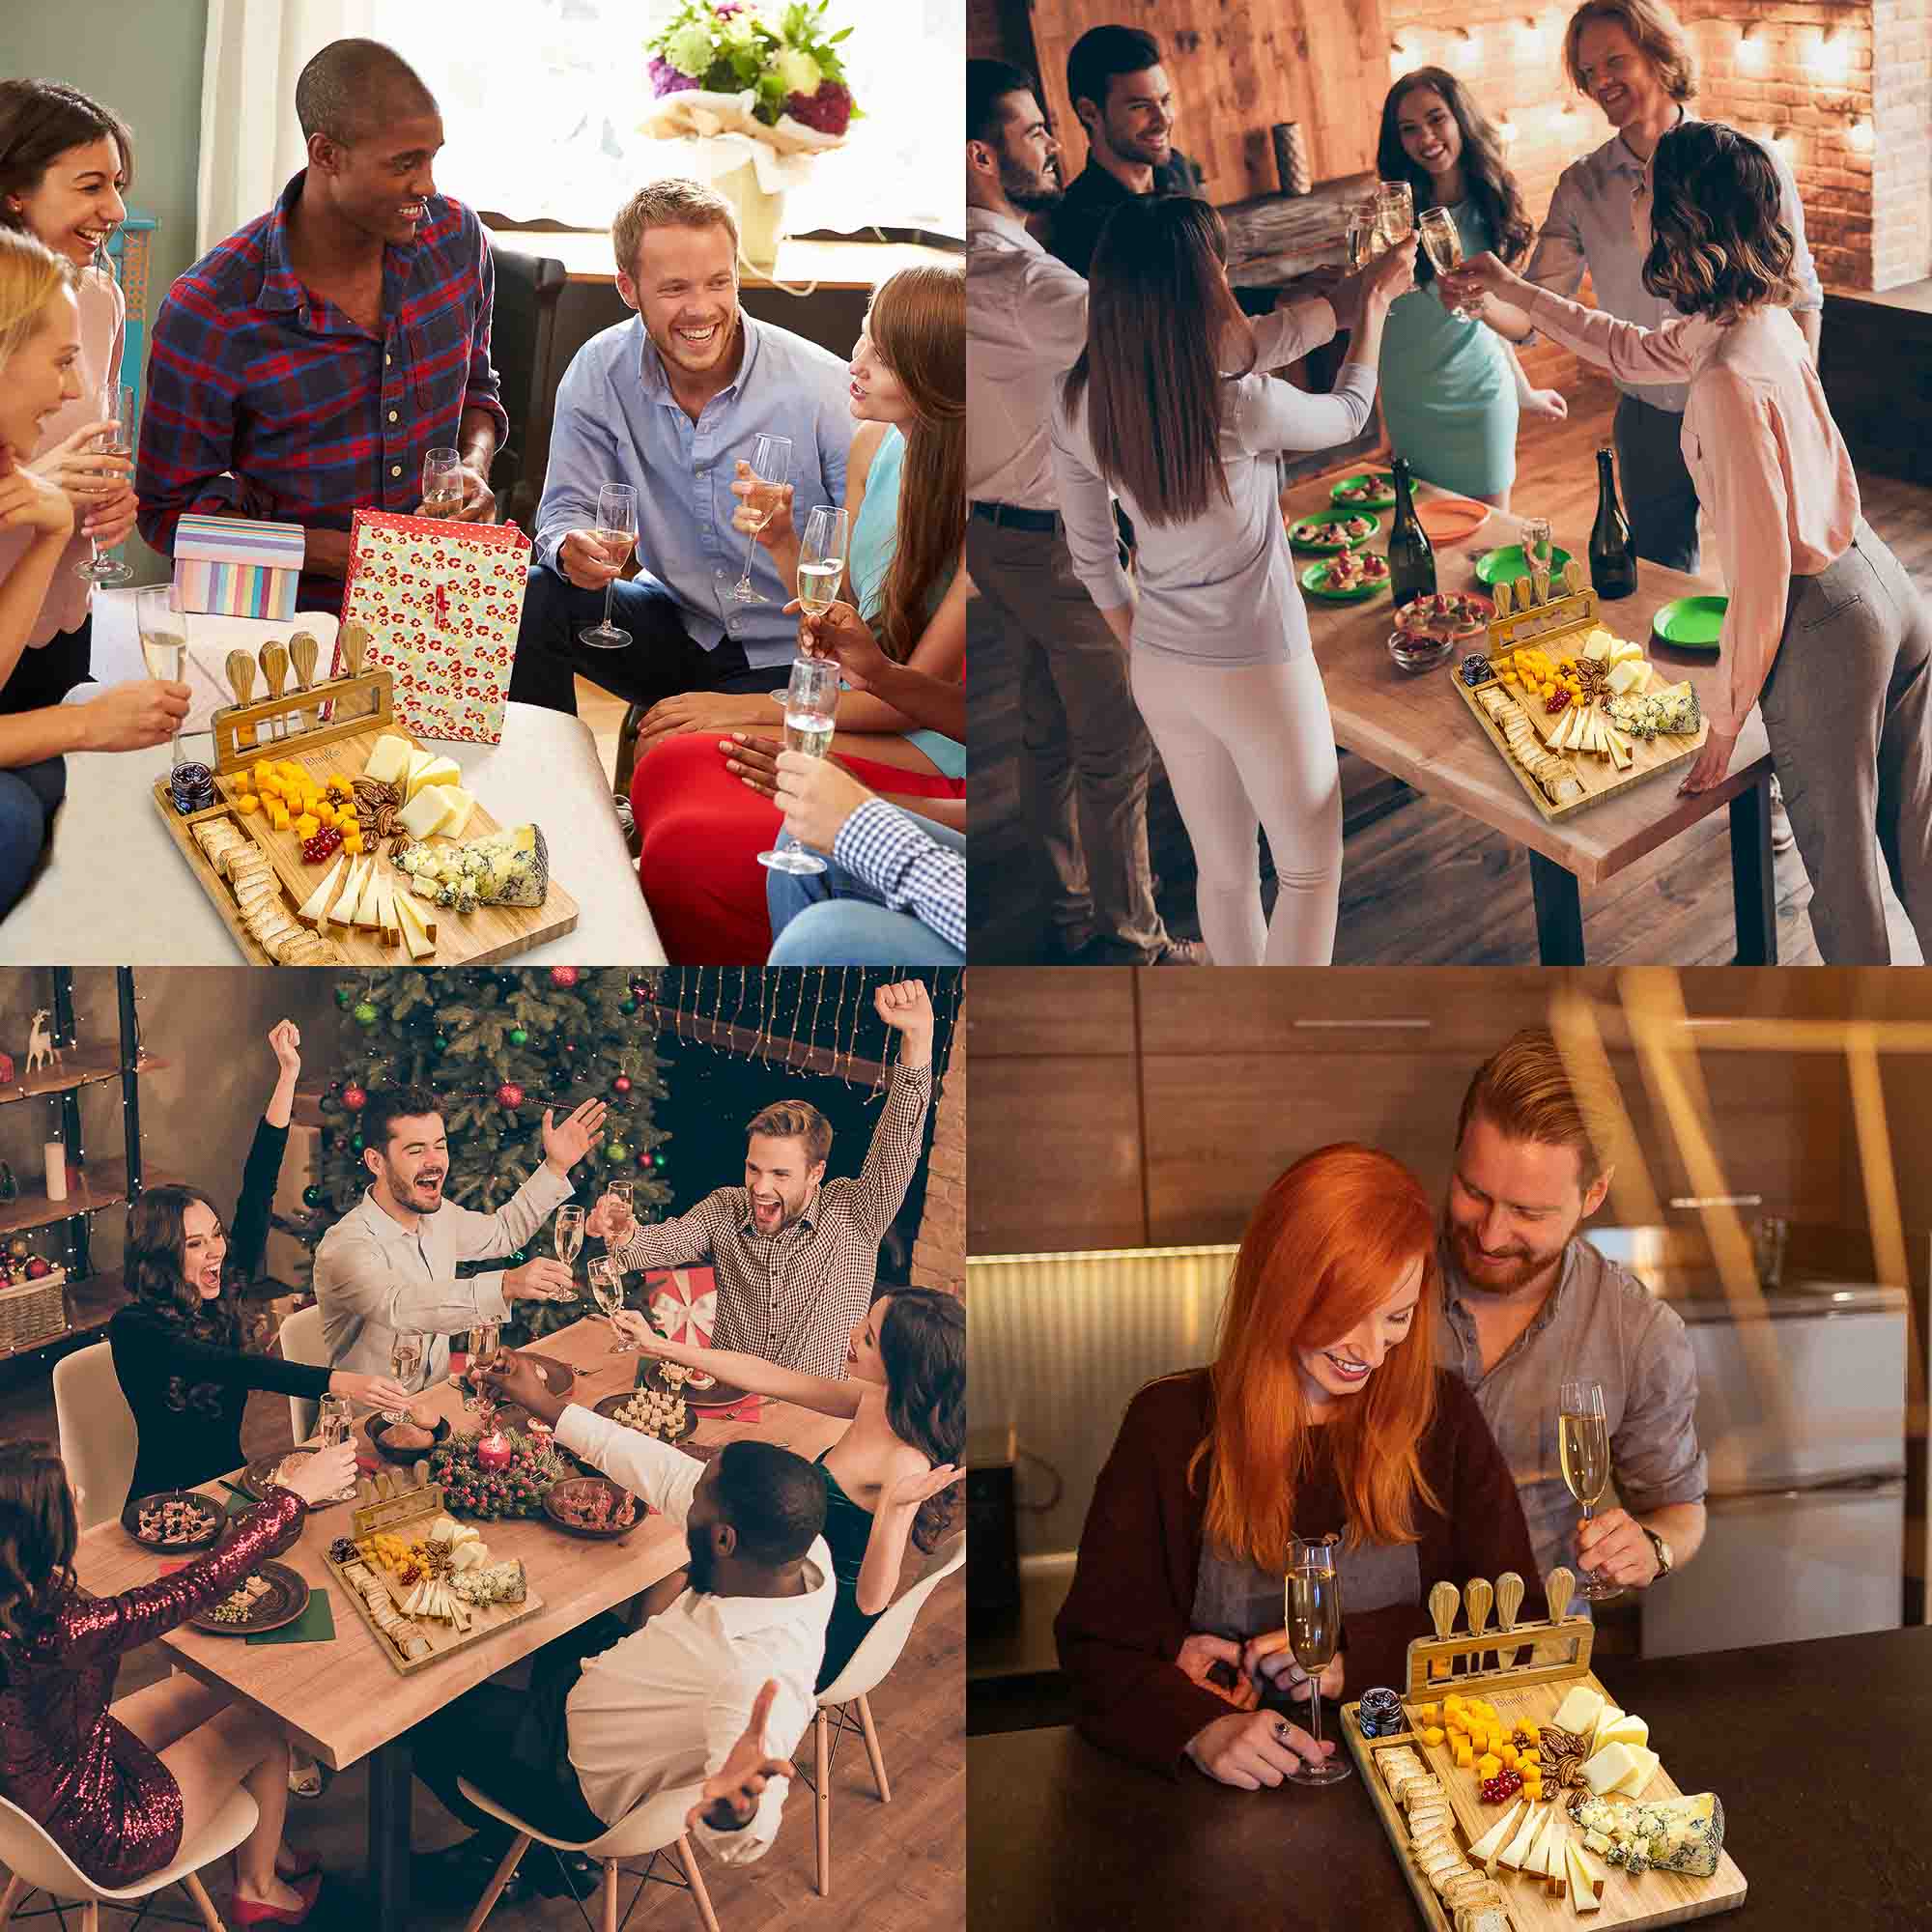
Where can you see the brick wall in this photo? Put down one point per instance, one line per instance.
(1901, 162)
(939, 1253)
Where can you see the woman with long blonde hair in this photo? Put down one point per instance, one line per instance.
(704, 800)
(1323, 1412)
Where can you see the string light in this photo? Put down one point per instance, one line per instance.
(1858, 136)
(1472, 45)
(1506, 131)
(1399, 60)
(1751, 49)
(1834, 57)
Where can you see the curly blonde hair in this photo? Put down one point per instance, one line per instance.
(1653, 27)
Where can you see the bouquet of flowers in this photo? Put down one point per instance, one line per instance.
(514, 1490)
(759, 71)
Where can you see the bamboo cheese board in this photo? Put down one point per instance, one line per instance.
(479, 937)
(407, 1512)
(1560, 626)
(1524, 1672)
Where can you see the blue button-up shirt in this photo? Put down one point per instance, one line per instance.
(618, 422)
(911, 871)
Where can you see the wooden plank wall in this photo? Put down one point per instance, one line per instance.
(1238, 68)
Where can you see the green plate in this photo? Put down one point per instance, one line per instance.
(1334, 517)
(1382, 499)
(1314, 581)
(1507, 566)
(1691, 623)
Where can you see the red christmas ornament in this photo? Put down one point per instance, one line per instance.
(621, 1085)
(354, 1099)
(509, 1094)
(644, 1160)
(563, 976)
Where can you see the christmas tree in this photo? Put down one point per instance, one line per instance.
(498, 1046)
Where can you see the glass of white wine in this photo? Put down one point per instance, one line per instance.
(811, 700)
(1444, 243)
(1395, 211)
(442, 483)
(407, 1355)
(1361, 237)
(1583, 1437)
(770, 467)
(568, 1234)
(616, 524)
(486, 1344)
(335, 1424)
(163, 630)
(1314, 1616)
(606, 1290)
(117, 400)
(821, 560)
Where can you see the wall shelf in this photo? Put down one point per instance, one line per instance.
(81, 1066)
(100, 1184)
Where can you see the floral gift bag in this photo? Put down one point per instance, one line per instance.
(442, 601)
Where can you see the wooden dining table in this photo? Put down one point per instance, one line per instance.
(1416, 727)
(344, 1700)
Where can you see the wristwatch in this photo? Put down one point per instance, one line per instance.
(1662, 1548)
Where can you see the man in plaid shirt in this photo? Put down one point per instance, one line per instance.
(795, 1255)
(303, 366)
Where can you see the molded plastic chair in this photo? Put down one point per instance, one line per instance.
(98, 1437)
(301, 1342)
(866, 1668)
(656, 1827)
(37, 1864)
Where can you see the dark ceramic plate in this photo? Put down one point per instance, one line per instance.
(585, 1486)
(286, 1599)
(214, 1520)
(720, 1395)
(611, 1403)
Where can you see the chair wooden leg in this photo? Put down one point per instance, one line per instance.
(873, 1752)
(191, 1884)
(693, 1877)
(17, 1888)
(610, 1896)
(89, 1916)
(822, 1765)
(504, 1873)
(626, 762)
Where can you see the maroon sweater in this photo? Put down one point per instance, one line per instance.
(1132, 1599)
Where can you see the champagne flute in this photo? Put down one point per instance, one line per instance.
(1314, 1616)
(821, 560)
(606, 1290)
(1444, 243)
(117, 400)
(810, 699)
(1583, 1438)
(407, 1355)
(1361, 238)
(163, 630)
(442, 483)
(1395, 211)
(771, 466)
(567, 1233)
(486, 1344)
(616, 524)
(335, 1424)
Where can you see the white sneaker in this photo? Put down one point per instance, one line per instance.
(1782, 838)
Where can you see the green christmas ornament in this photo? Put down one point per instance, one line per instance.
(657, 1161)
(313, 1197)
(365, 1014)
(343, 996)
(616, 1150)
(440, 1045)
(520, 1037)
(356, 1144)
(626, 1005)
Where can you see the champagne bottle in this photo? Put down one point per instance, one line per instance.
(1411, 558)
(1613, 553)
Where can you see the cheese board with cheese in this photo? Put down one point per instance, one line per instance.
(376, 854)
(1577, 713)
(1516, 1794)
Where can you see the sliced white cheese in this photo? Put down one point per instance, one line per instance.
(1605, 1717)
(1643, 1770)
(414, 935)
(1518, 1848)
(1621, 755)
(1609, 1767)
(1484, 1851)
(316, 904)
(1538, 1861)
(425, 811)
(1578, 1711)
(1586, 1893)
(366, 907)
(385, 910)
(342, 910)
(1630, 675)
(1624, 650)
(389, 759)
(461, 805)
(1626, 1730)
(432, 768)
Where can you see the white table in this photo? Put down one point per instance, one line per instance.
(116, 891)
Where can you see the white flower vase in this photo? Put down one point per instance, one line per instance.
(760, 214)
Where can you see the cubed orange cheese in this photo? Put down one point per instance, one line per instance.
(1464, 1757)
(1432, 1734)
(352, 842)
(247, 802)
(1486, 1766)
(1428, 1712)
(1508, 1753)
(1532, 1789)
(1454, 1701)
(307, 826)
(1529, 1755)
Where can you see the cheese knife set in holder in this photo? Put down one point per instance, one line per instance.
(1514, 1793)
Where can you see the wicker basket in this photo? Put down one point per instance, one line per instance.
(34, 1311)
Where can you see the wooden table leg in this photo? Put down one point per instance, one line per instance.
(1753, 883)
(1559, 912)
(391, 1770)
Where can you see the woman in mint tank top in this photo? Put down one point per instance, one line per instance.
(1452, 391)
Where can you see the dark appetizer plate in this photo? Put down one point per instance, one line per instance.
(576, 1491)
(559, 1377)
(213, 1519)
(611, 1403)
(282, 1602)
(720, 1395)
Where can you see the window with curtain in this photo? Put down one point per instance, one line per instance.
(542, 101)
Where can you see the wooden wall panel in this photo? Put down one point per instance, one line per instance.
(1026, 1011)
(1237, 68)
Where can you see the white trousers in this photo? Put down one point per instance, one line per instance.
(1248, 746)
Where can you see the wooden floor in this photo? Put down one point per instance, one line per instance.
(1421, 882)
(898, 1869)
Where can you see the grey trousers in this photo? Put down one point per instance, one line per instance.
(1847, 711)
(1660, 499)
(1085, 754)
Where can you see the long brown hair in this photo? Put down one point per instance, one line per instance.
(1653, 27)
(153, 1266)
(1159, 315)
(1321, 1250)
(918, 325)
(38, 1533)
(1486, 175)
(922, 1347)
(40, 121)
(1720, 244)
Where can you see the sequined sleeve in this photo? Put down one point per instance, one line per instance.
(91, 1629)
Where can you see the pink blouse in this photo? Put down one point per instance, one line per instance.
(1766, 456)
(104, 324)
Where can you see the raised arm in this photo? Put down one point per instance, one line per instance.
(736, 1819)
(742, 1370)
(880, 1190)
(891, 1528)
(1634, 353)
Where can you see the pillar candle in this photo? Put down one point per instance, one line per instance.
(56, 1158)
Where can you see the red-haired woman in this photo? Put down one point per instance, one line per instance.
(1324, 1410)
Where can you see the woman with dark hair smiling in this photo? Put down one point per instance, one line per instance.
(177, 1350)
(1168, 408)
(1323, 1412)
(1825, 633)
(1450, 389)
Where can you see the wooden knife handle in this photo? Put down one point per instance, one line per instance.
(354, 639)
(1509, 1599)
(1444, 1600)
(1557, 1590)
(302, 652)
(1477, 1597)
(275, 665)
(240, 666)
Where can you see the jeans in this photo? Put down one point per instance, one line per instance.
(833, 919)
(29, 796)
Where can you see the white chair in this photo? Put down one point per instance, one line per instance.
(98, 1437)
(35, 1863)
(301, 1342)
(878, 1651)
(655, 1827)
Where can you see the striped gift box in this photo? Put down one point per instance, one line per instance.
(230, 567)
